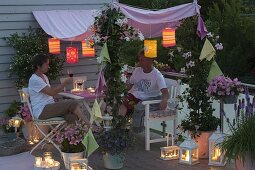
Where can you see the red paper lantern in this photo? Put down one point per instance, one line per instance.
(71, 54)
(54, 45)
(168, 35)
(87, 50)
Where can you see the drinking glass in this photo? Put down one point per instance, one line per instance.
(70, 72)
(80, 84)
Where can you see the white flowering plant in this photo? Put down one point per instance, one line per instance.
(183, 61)
(26, 46)
(111, 27)
(186, 56)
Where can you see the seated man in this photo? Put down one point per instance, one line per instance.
(145, 83)
(41, 95)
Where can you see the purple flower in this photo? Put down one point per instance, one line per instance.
(71, 136)
(244, 111)
(222, 86)
(25, 113)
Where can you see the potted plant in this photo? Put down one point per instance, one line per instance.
(111, 28)
(200, 121)
(114, 144)
(70, 141)
(240, 145)
(225, 89)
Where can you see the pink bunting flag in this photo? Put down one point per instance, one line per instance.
(101, 84)
(201, 29)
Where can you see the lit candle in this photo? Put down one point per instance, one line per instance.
(75, 166)
(16, 123)
(56, 163)
(216, 154)
(36, 139)
(91, 90)
(50, 162)
(23, 96)
(47, 158)
(38, 161)
(187, 155)
(30, 142)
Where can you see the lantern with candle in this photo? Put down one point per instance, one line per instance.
(150, 48)
(23, 96)
(169, 152)
(87, 50)
(71, 55)
(46, 163)
(107, 122)
(168, 36)
(216, 157)
(16, 123)
(189, 152)
(79, 164)
(54, 45)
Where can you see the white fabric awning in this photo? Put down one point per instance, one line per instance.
(74, 25)
(66, 24)
(151, 23)
(168, 15)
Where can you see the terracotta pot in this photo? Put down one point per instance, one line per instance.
(203, 144)
(247, 164)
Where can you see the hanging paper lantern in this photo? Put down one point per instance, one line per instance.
(150, 48)
(54, 45)
(71, 54)
(87, 50)
(168, 35)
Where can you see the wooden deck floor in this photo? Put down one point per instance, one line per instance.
(139, 159)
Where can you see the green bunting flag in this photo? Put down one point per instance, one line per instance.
(96, 112)
(90, 143)
(104, 55)
(207, 51)
(214, 71)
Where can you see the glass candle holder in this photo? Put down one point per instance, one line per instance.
(38, 161)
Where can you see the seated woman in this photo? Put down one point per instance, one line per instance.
(41, 95)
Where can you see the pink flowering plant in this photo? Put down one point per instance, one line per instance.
(25, 113)
(70, 138)
(222, 86)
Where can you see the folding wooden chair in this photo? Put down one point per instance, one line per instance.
(159, 115)
(55, 124)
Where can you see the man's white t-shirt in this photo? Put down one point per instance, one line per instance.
(38, 99)
(146, 85)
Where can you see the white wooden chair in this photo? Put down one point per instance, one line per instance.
(55, 124)
(159, 115)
